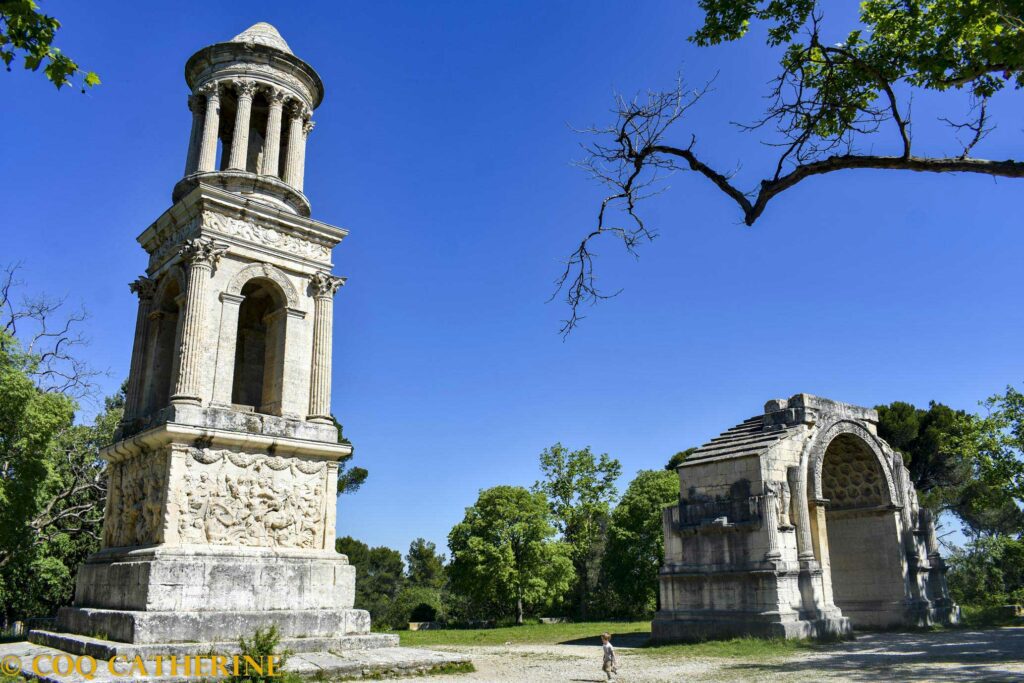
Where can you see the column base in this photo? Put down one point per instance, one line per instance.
(676, 627)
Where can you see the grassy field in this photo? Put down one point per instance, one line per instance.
(624, 634)
(548, 634)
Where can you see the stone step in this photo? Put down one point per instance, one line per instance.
(332, 664)
(105, 649)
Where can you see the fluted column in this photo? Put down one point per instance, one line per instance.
(244, 90)
(201, 254)
(307, 128)
(196, 103)
(272, 143)
(144, 288)
(798, 489)
(771, 523)
(211, 124)
(296, 145)
(324, 286)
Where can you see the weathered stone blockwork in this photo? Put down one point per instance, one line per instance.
(800, 522)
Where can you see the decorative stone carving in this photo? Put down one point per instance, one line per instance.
(135, 500)
(235, 498)
(172, 242)
(267, 271)
(323, 284)
(244, 88)
(143, 286)
(308, 127)
(266, 236)
(201, 251)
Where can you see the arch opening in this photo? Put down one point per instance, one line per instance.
(258, 378)
(862, 532)
(164, 338)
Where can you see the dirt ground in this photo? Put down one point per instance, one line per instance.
(991, 655)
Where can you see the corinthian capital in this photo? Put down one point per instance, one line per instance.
(324, 284)
(143, 287)
(244, 88)
(307, 127)
(211, 89)
(274, 94)
(201, 251)
(298, 110)
(196, 103)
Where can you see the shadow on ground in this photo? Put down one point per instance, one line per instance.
(955, 655)
(618, 640)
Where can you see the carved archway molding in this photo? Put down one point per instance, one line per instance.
(824, 438)
(174, 274)
(269, 272)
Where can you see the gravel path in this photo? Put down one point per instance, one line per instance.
(994, 655)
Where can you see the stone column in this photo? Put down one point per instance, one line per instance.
(771, 524)
(244, 91)
(324, 286)
(307, 128)
(196, 103)
(798, 489)
(201, 254)
(144, 288)
(211, 125)
(296, 143)
(272, 143)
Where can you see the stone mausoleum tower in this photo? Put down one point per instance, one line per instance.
(220, 514)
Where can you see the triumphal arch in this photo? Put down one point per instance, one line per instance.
(220, 512)
(799, 522)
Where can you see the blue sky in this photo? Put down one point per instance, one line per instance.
(444, 144)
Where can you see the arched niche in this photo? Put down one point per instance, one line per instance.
(261, 333)
(163, 337)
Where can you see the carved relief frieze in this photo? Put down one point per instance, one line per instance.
(266, 236)
(172, 241)
(135, 500)
(235, 498)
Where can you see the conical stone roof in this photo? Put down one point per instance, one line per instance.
(263, 34)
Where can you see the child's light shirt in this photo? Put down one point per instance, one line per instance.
(609, 652)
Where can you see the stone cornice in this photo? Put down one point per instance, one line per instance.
(226, 60)
(172, 432)
(273, 230)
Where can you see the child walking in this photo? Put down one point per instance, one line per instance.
(610, 664)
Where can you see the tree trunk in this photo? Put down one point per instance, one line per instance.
(519, 611)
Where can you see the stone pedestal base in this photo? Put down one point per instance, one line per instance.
(674, 627)
(209, 594)
(141, 628)
(213, 578)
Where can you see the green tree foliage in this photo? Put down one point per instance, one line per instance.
(380, 576)
(924, 438)
(425, 565)
(52, 486)
(677, 459)
(841, 101)
(996, 444)
(580, 489)
(636, 545)
(350, 479)
(988, 571)
(27, 32)
(415, 603)
(939, 448)
(505, 557)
